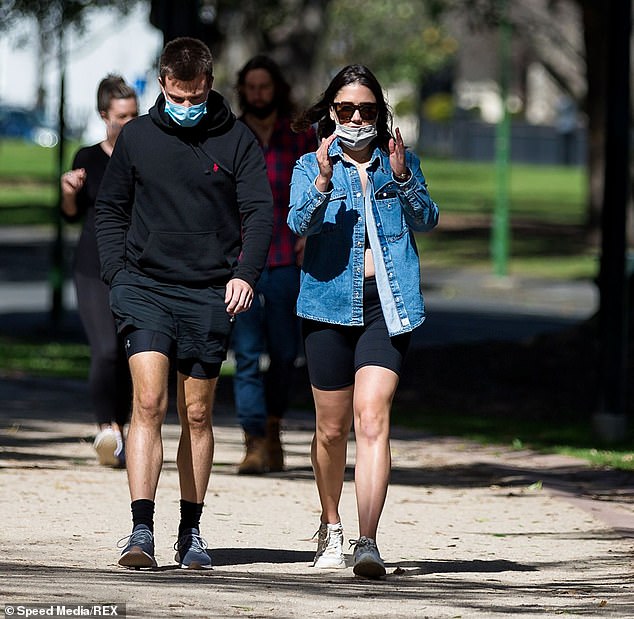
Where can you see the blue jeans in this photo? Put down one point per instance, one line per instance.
(271, 327)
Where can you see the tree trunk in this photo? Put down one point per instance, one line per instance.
(595, 27)
(45, 52)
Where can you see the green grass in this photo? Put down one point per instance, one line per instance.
(51, 358)
(29, 162)
(44, 358)
(562, 437)
(552, 194)
(547, 208)
(29, 182)
(538, 253)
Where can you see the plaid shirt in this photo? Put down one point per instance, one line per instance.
(284, 149)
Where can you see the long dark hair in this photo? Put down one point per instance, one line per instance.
(283, 100)
(320, 112)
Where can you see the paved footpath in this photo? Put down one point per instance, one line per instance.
(468, 531)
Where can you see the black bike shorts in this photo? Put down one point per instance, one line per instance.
(335, 352)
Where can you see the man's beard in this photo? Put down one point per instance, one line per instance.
(261, 111)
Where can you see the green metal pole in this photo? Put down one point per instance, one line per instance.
(500, 228)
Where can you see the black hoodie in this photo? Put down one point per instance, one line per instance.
(181, 205)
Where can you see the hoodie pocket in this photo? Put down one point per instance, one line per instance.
(184, 257)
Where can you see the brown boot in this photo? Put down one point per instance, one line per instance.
(274, 450)
(254, 462)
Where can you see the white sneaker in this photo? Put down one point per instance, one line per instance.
(329, 547)
(109, 447)
(367, 560)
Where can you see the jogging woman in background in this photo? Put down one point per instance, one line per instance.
(109, 379)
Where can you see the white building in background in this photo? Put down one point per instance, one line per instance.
(127, 45)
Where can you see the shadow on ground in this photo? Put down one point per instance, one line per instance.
(403, 584)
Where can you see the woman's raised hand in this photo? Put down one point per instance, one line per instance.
(325, 164)
(397, 155)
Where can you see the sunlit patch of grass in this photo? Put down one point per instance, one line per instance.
(573, 438)
(59, 359)
(548, 193)
(618, 459)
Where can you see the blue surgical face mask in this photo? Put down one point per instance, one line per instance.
(185, 116)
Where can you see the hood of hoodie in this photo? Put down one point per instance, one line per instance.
(218, 119)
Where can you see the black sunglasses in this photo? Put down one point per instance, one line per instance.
(345, 111)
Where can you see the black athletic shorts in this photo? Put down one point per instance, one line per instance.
(335, 352)
(188, 324)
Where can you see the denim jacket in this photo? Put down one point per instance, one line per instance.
(335, 225)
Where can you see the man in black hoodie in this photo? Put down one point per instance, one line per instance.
(184, 220)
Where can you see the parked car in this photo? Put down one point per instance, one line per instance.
(26, 124)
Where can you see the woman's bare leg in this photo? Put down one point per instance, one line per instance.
(329, 447)
(374, 390)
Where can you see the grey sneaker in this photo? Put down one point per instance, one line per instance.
(191, 551)
(366, 557)
(139, 548)
(329, 547)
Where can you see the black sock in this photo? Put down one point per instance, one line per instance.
(143, 513)
(190, 516)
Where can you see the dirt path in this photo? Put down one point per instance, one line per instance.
(468, 531)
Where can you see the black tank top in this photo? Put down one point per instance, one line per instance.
(94, 160)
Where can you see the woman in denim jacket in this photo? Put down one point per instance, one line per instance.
(358, 200)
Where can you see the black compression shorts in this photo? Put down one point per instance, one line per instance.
(188, 324)
(335, 352)
(143, 340)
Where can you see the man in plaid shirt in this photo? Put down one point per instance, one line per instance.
(270, 326)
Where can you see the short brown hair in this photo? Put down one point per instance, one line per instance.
(112, 87)
(184, 59)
